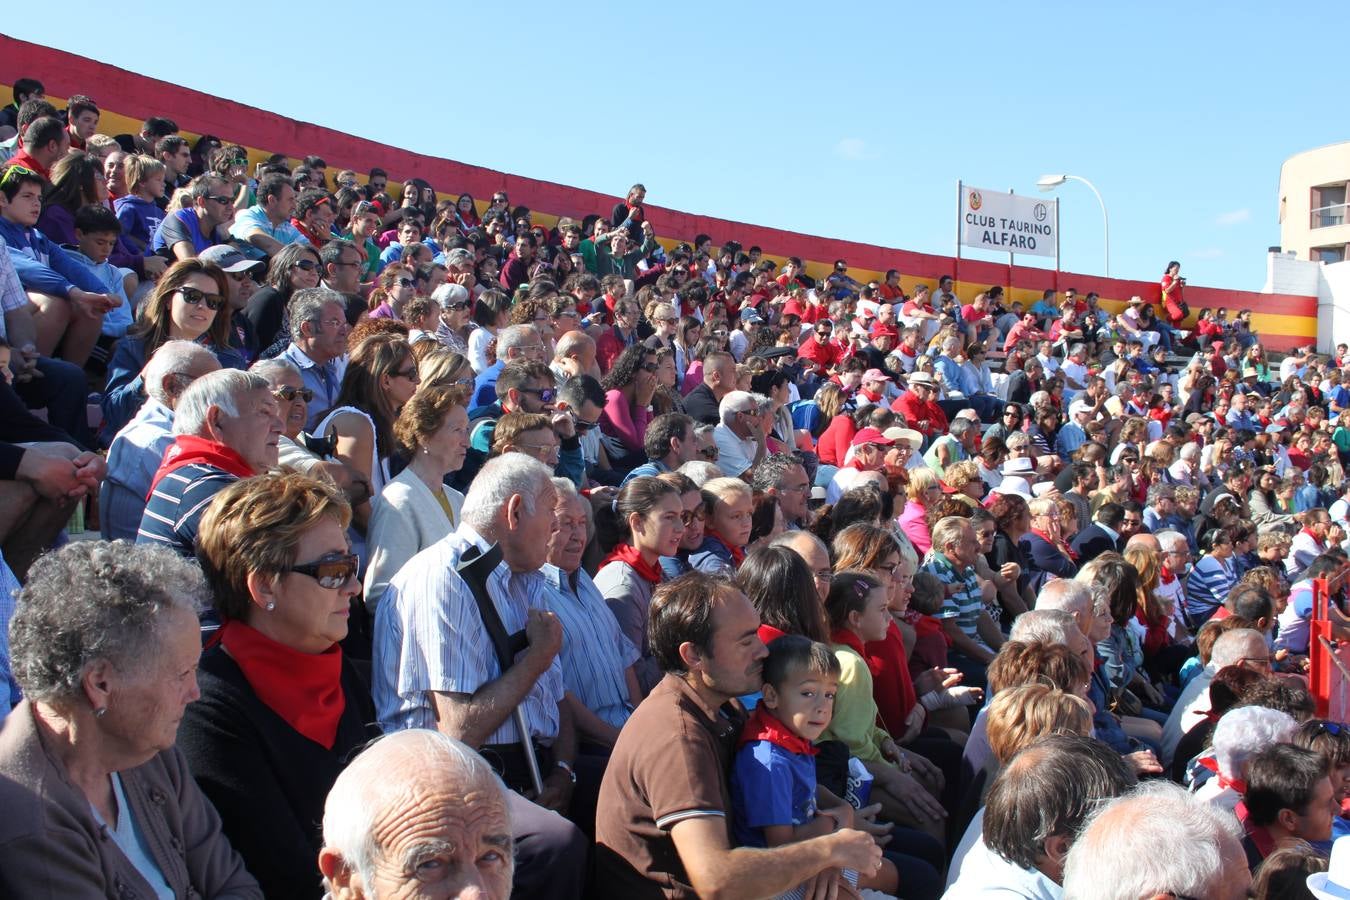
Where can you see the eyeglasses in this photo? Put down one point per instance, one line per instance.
(1333, 728)
(545, 395)
(330, 573)
(219, 199)
(708, 452)
(652, 368)
(409, 373)
(406, 282)
(193, 297)
(582, 425)
(690, 516)
(286, 394)
(308, 265)
(824, 575)
(553, 450)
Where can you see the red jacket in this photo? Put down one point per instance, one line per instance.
(822, 356)
(915, 411)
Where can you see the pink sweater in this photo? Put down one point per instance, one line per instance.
(620, 421)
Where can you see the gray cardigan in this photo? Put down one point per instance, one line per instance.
(629, 596)
(52, 848)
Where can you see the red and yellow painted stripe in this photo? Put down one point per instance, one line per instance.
(126, 99)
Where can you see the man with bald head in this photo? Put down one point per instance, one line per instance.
(1144, 539)
(415, 803)
(814, 553)
(574, 355)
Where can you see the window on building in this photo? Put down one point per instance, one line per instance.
(1329, 254)
(1328, 206)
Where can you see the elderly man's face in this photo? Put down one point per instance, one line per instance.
(446, 842)
(254, 433)
(569, 541)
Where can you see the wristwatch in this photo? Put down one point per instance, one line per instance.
(567, 767)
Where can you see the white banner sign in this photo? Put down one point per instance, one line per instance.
(997, 220)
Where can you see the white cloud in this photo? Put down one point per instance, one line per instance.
(855, 149)
(1234, 217)
(1205, 253)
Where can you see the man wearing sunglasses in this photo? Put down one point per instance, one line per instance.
(523, 386)
(187, 233)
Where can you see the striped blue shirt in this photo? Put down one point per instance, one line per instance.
(595, 654)
(176, 505)
(1207, 588)
(429, 637)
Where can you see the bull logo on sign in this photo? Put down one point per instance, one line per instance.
(976, 201)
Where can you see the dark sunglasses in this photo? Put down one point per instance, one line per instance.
(330, 573)
(708, 453)
(193, 297)
(653, 368)
(287, 393)
(219, 199)
(308, 265)
(582, 425)
(457, 305)
(689, 517)
(545, 395)
(406, 282)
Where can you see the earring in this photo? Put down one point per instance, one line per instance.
(98, 713)
(271, 605)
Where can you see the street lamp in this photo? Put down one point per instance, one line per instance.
(1048, 183)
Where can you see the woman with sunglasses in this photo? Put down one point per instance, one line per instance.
(454, 325)
(416, 509)
(296, 266)
(281, 710)
(188, 304)
(381, 377)
(397, 285)
(629, 388)
(646, 522)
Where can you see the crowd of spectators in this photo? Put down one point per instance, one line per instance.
(447, 553)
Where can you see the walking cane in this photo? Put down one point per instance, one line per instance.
(475, 567)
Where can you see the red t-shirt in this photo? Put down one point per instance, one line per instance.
(892, 687)
(915, 411)
(833, 443)
(823, 356)
(886, 292)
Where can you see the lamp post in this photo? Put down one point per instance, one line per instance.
(1048, 183)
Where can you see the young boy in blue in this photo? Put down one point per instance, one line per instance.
(773, 779)
(96, 231)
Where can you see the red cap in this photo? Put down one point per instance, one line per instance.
(870, 436)
(880, 328)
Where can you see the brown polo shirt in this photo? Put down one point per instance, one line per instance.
(671, 763)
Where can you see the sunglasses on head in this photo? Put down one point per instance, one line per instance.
(193, 297)
(287, 393)
(330, 573)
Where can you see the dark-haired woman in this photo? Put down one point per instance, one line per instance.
(295, 266)
(466, 215)
(649, 519)
(629, 387)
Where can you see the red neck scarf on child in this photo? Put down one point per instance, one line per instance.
(627, 553)
(305, 689)
(764, 726)
(737, 553)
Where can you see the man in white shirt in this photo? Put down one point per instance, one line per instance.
(1075, 372)
(740, 435)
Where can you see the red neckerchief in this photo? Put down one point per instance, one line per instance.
(875, 398)
(1166, 576)
(926, 625)
(305, 689)
(737, 553)
(764, 726)
(912, 352)
(627, 553)
(1237, 784)
(854, 464)
(188, 449)
(1315, 539)
(768, 634)
(310, 236)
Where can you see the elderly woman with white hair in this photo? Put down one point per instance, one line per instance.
(418, 815)
(1237, 738)
(455, 322)
(136, 451)
(98, 800)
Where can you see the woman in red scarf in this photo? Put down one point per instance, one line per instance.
(466, 215)
(281, 711)
(647, 521)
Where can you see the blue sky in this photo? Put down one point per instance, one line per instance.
(850, 120)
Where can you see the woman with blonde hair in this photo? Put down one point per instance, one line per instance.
(729, 518)
(439, 367)
(416, 509)
(1017, 716)
(924, 490)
